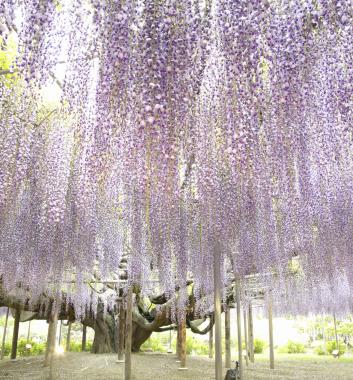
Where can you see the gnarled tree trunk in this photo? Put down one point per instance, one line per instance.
(139, 336)
(106, 335)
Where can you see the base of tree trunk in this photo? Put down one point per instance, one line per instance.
(106, 335)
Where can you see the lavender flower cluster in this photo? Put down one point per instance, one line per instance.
(186, 129)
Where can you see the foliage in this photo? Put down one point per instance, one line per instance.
(160, 343)
(8, 53)
(292, 348)
(39, 348)
(88, 346)
(259, 346)
(324, 326)
(345, 328)
(331, 346)
(75, 346)
(153, 343)
(35, 349)
(320, 350)
(196, 346)
(7, 349)
(9, 322)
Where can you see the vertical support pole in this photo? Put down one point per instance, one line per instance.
(210, 343)
(170, 343)
(68, 337)
(227, 337)
(84, 338)
(60, 329)
(50, 328)
(29, 331)
(182, 337)
(246, 336)
(240, 347)
(128, 334)
(335, 326)
(270, 330)
(121, 335)
(51, 339)
(4, 334)
(251, 334)
(178, 344)
(52, 344)
(15, 333)
(217, 306)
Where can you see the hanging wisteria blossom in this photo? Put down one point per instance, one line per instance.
(185, 129)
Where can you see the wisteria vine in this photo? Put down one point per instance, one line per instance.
(186, 129)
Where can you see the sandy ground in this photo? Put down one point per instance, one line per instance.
(147, 366)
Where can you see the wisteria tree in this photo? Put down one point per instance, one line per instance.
(186, 130)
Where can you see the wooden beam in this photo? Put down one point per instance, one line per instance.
(84, 338)
(4, 334)
(128, 334)
(240, 346)
(54, 323)
(51, 339)
(227, 337)
(16, 327)
(251, 334)
(210, 343)
(182, 337)
(270, 330)
(178, 345)
(50, 331)
(217, 307)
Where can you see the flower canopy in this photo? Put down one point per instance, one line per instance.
(185, 129)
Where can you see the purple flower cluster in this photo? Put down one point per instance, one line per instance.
(186, 129)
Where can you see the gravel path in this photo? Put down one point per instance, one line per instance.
(148, 366)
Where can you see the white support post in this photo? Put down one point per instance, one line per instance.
(240, 346)
(251, 334)
(246, 336)
(227, 337)
(128, 334)
(210, 344)
(335, 327)
(270, 330)
(217, 307)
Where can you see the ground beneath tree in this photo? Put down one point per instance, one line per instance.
(147, 366)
